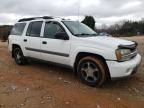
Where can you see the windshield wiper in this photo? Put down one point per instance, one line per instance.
(95, 34)
(85, 34)
(81, 34)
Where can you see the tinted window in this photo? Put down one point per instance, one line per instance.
(51, 28)
(34, 29)
(18, 29)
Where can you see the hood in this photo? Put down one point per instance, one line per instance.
(107, 41)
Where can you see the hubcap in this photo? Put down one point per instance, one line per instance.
(18, 56)
(90, 71)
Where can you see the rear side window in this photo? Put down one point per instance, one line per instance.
(18, 29)
(34, 29)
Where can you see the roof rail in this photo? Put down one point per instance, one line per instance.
(33, 18)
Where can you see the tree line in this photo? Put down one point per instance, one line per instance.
(127, 28)
(4, 32)
(123, 28)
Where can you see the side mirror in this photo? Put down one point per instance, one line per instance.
(62, 36)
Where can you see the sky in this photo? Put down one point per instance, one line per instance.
(104, 11)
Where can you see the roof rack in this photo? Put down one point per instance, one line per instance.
(29, 19)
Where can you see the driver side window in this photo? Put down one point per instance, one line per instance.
(51, 28)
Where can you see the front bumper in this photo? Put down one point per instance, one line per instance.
(124, 69)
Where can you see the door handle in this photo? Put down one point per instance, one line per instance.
(44, 42)
(25, 40)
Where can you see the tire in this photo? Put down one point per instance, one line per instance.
(92, 71)
(19, 57)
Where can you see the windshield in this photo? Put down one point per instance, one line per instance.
(79, 29)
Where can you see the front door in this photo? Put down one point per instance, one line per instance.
(52, 49)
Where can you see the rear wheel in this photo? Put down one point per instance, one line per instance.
(19, 57)
(92, 71)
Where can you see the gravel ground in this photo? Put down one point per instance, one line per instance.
(40, 85)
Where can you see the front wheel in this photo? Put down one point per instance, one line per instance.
(19, 57)
(92, 71)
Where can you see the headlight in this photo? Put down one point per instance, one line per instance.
(123, 54)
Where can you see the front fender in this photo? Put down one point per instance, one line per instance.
(107, 54)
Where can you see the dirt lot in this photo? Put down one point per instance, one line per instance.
(40, 85)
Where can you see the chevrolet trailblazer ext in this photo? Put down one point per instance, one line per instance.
(94, 58)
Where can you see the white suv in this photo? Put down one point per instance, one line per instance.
(70, 43)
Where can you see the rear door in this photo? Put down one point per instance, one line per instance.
(52, 49)
(32, 39)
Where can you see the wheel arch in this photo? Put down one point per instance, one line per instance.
(13, 47)
(80, 55)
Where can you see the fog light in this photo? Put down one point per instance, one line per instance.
(129, 70)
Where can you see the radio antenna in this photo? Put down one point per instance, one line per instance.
(79, 4)
(79, 9)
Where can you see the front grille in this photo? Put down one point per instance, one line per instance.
(133, 49)
(131, 55)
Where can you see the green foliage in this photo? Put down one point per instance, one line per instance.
(89, 21)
